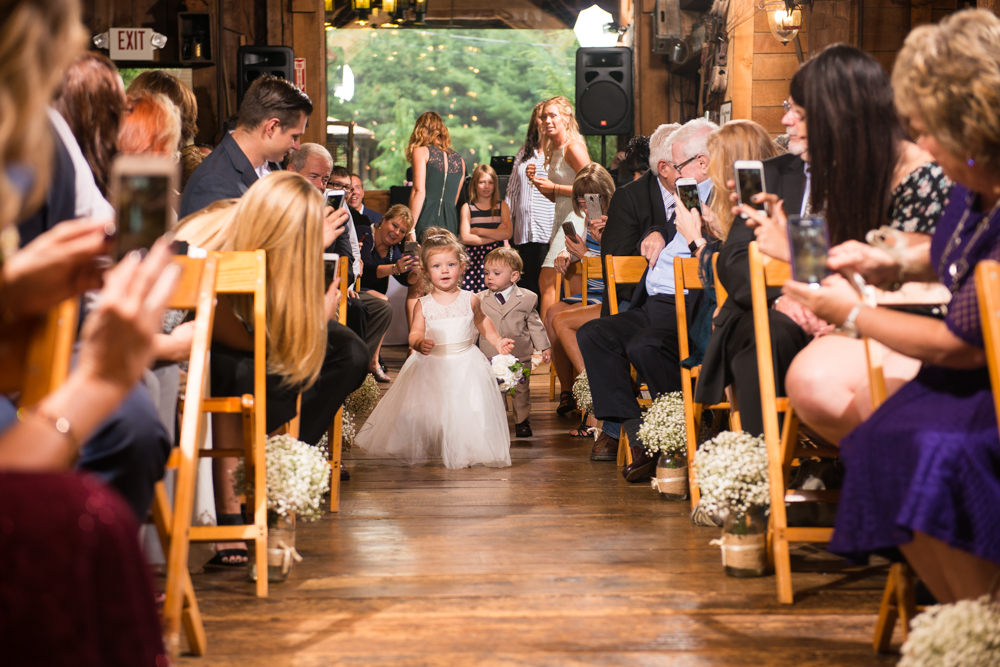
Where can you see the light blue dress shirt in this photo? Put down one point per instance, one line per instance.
(660, 278)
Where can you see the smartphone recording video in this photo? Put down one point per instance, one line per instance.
(335, 199)
(569, 231)
(142, 191)
(687, 190)
(410, 248)
(594, 211)
(331, 266)
(809, 243)
(749, 177)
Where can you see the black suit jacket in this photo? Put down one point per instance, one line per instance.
(60, 199)
(225, 173)
(635, 209)
(785, 176)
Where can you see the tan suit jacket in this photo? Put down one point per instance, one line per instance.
(518, 320)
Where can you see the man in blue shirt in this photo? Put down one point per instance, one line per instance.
(645, 336)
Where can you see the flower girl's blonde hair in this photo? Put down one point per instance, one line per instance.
(437, 240)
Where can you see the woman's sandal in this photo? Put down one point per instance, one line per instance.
(242, 557)
(583, 431)
(567, 403)
(380, 375)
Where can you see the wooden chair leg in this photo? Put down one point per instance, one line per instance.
(255, 464)
(552, 382)
(887, 615)
(780, 548)
(624, 452)
(334, 438)
(194, 628)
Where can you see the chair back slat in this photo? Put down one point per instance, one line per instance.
(988, 288)
(685, 278)
(185, 296)
(622, 271)
(34, 359)
(342, 308)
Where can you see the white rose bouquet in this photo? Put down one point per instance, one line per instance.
(731, 470)
(509, 372)
(662, 429)
(963, 634)
(297, 477)
(581, 392)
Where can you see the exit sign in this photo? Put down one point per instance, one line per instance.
(131, 43)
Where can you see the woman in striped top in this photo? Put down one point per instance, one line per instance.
(484, 225)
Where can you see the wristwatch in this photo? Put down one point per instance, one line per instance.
(850, 326)
(694, 245)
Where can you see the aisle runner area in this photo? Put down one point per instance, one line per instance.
(553, 561)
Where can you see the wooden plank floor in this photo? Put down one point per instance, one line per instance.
(553, 561)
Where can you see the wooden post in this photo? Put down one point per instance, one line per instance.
(309, 42)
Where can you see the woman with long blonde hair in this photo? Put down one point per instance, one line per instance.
(565, 155)
(438, 172)
(736, 140)
(283, 215)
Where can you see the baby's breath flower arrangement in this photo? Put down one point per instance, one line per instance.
(662, 430)
(364, 399)
(297, 477)
(731, 469)
(962, 634)
(581, 392)
(348, 431)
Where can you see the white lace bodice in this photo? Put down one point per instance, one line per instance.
(452, 325)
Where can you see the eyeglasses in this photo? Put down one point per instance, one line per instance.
(340, 186)
(686, 162)
(790, 108)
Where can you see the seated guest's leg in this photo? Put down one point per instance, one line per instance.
(547, 296)
(75, 589)
(357, 317)
(828, 383)
(379, 319)
(129, 451)
(950, 574)
(566, 325)
(787, 340)
(344, 369)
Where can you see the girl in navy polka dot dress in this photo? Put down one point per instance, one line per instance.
(484, 225)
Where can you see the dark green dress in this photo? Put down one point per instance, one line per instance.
(444, 176)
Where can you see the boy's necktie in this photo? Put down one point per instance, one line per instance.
(500, 298)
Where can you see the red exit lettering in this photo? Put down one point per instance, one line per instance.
(129, 40)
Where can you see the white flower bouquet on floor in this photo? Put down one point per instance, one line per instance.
(962, 634)
(662, 430)
(731, 470)
(297, 477)
(581, 392)
(509, 372)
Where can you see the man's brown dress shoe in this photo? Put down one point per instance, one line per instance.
(642, 467)
(605, 449)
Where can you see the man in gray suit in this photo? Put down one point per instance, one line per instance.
(271, 121)
(513, 312)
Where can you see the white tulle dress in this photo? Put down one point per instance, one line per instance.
(444, 405)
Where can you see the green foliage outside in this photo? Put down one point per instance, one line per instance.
(484, 83)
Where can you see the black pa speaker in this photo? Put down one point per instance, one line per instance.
(604, 90)
(252, 61)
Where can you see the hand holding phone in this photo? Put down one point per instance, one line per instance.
(749, 177)
(594, 208)
(142, 189)
(336, 199)
(809, 244)
(687, 191)
(569, 230)
(331, 269)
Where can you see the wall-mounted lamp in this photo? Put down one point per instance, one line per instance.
(784, 18)
(395, 10)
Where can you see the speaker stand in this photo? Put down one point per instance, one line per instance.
(604, 150)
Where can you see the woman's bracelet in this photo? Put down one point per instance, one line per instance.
(60, 424)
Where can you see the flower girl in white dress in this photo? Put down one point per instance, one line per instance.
(445, 403)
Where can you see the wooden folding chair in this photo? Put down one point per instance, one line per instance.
(241, 272)
(34, 358)
(195, 291)
(564, 284)
(686, 278)
(624, 271)
(334, 434)
(781, 445)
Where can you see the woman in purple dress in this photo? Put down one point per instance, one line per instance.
(923, 472)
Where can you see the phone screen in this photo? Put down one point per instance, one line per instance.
(689, 197)
(142, 212)
(809, 242)
(594, 211)
(329, 269)
(335, 200)
(750, 183)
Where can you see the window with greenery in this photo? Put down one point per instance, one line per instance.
(484, 83)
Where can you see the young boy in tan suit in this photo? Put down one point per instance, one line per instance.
(513, 312)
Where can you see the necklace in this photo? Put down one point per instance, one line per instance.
(958, 269)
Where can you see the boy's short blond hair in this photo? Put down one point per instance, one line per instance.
(506, 256)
